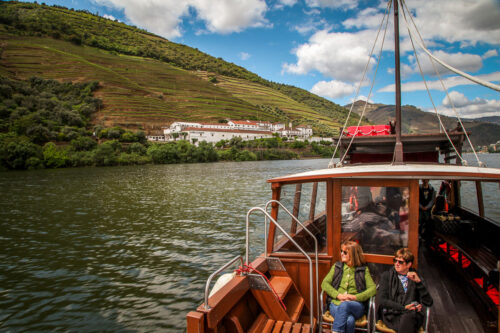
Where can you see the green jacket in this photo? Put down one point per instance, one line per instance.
(348, 284)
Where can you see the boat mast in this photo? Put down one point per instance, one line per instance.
(398, 149)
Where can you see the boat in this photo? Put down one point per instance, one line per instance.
(310, 214)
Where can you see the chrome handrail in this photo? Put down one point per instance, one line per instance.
(266, 214)
(207, 285)
(320, 310)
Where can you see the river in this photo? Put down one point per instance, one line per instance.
(128, 249)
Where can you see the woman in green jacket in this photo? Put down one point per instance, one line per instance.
(349, 284)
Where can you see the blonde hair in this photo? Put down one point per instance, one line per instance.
(356, 256)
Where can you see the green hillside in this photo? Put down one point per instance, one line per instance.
(146, 81)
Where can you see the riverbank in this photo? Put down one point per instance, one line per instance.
(85, 152)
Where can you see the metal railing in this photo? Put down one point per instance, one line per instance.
(266, 214)
(320, 310)
(207, 286)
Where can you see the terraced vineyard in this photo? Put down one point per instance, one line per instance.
(146, 81)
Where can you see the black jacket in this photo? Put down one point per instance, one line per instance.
(392, 298)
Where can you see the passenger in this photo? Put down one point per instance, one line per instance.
(349, 284)
(427, 195)
(403, 294)
(445, 191)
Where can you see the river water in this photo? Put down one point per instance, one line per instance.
(127, 249)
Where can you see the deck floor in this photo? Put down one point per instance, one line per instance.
(453, 310)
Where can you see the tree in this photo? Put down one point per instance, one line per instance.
(54, 157)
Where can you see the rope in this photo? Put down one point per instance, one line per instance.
(248, 269)
(331, 164)
(372, 84)
(463, 161)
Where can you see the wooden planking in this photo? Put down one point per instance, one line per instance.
(278, 326)
(269, 326)
(270, 305)
(225, 299)
(297, 328)
(453, 310)
(287, 327)
(195, 322)
(281, 284)
(259, 324)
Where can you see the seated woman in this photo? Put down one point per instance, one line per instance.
(402, 294)
(349, 284)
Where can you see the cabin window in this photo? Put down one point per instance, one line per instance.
(307, 202)
(376, 217)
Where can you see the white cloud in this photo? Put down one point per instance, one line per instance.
(287, 2)
(367, 18)
(227, 16)
(463, 61)
(361, 98)
(342, 56)
(109, 17)
(466, 108)
(449, 82)
(458, 20)
(332, 89)
(460, 100)
(244, 55)
(490, 53)
(345, 4)
(312, 25)
(164, 17)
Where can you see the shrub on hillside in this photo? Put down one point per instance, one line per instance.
(18, 153)
(54, 157)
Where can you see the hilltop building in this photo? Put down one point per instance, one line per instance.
(215, 132)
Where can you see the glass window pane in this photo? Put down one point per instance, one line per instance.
(376, 217)
(298, 200)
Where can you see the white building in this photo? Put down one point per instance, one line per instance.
(305, 131)
(213, 135)
(214, 132)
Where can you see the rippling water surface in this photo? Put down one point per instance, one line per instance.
(124, 248)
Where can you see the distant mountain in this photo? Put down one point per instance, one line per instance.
(493, 119)
(418, 121)
(146, 81)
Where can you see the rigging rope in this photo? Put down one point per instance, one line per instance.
(463, 161)
(331, 163)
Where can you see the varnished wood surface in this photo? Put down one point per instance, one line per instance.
(453, 309)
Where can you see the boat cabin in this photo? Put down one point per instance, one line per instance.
(313, 212)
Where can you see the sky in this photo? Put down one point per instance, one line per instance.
(324, 46)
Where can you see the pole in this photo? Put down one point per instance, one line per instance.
(398, 149)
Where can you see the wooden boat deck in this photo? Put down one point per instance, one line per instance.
(453, 310)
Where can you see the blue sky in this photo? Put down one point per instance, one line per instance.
(323, 46)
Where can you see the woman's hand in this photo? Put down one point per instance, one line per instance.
(342, 297)
(346, 297)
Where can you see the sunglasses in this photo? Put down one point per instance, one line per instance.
(401, 262)
(344, 252)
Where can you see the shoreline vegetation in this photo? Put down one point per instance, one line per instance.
(48, 124)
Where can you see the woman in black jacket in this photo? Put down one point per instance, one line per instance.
(403, 294)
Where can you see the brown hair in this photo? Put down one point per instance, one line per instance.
(356, 256)
(405, 253)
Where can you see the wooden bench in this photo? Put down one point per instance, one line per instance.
(475, 262)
